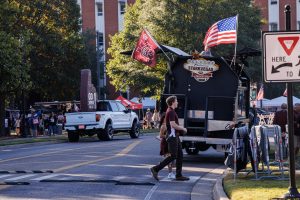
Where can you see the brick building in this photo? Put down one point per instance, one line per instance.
(274, 16)
(104, 17)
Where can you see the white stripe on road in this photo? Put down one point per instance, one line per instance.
(7, 175)
(149, 195)
(20, 177)
(45, 177)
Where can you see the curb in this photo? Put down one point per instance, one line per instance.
(218, 191)
(204, 187)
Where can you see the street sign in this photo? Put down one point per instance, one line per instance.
(281, 56)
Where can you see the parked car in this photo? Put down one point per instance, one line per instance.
(110, 118)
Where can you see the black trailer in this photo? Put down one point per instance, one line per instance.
(213, 95)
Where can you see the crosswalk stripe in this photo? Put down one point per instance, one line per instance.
(7, 175)
(20, 177)
(45, 177)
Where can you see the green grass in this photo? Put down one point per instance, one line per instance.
(246, 189)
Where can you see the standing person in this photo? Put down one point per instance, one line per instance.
(155, 119)
(173, 140)
(280, 119)
(164, 145)
(149, 118)
(52, 124)
(18, 126)
(297, 129)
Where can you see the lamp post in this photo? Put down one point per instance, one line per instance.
(98, 65)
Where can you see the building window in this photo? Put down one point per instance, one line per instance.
(99, 9)
(273, 27)
(298, 22)
(100, 39)
(273, 1)
(122, 7)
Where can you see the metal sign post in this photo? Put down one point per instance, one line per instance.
(293, 192)
(281, 62)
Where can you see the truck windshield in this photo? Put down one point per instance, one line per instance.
(103, 106)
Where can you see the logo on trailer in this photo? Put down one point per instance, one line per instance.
(201, 69)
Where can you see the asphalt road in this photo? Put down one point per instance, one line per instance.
(93, 169)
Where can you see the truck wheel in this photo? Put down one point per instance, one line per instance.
(108, 133)
(135, 130)
(73, 136)
(193, 151)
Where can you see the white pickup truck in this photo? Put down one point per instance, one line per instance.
(110, 118)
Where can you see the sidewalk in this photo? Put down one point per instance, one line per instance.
(13, 140)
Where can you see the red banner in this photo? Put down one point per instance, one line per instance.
(130, 104)
(145, 49)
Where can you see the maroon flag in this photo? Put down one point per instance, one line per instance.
(145, 49)
(285, 92)
(260, 94)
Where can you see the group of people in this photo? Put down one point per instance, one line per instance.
(151, 120)
(281, 119)
(36, 123)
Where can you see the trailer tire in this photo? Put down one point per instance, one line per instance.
(135, 130)
(73, 136)
(194, 151)
(203, 147)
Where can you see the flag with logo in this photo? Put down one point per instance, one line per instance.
(221, 32)
(145, 49)
(260, 94)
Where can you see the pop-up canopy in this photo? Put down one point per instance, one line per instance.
(130, 104)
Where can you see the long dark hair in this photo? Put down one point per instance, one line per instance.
(162, 119)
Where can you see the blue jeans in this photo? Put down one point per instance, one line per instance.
(52, 129)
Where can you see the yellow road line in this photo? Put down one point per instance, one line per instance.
(122, 153)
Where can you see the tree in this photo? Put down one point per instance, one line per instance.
(57, 53)
(42, 50)
(13, 69)
(182, 24)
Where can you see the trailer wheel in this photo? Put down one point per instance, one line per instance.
(193, 151)
(203, 146)
(73, 136)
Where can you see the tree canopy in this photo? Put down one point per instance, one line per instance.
(41, 51)
(181, 24)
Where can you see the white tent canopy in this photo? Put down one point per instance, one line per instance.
(276, 102)
(260, 103)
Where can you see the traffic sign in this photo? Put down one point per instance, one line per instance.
(281, 56)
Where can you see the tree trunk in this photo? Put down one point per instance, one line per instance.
(2, 114)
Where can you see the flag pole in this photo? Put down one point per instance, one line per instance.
(157, 44)
(235, 46)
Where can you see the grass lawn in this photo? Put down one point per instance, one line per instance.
(246, 189)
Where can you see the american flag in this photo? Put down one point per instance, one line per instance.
(221, 32)
(260, 94)
(285, 92)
